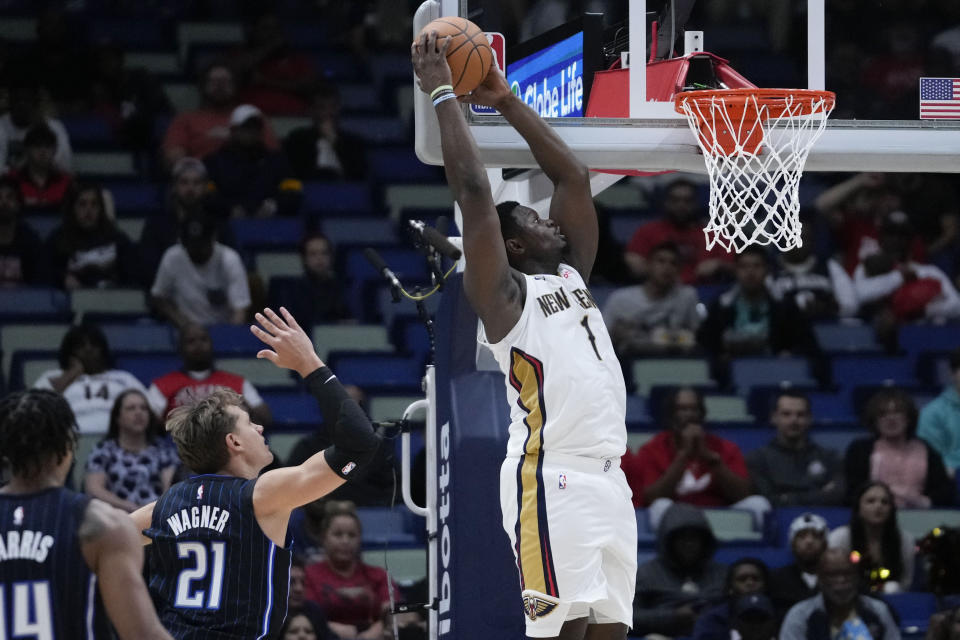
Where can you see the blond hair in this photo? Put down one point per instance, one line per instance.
(198, 429)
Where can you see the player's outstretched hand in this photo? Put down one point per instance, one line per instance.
(429, 56)
(290, 347)
(492, 91)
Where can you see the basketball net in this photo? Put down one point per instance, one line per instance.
(755, 143)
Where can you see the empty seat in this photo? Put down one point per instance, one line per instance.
(353, 230)
(407, 264)
(278, 263)
(733, 524)
(393, 165)
(283, 125)
(746, 373)
(292, 408)
(339, 65)
(376, 129)
(29, 337)
(337, 197)
(390, 407)
(746, 438)
(129, 301)
(846, 338)
(385, 526)
(773, 557)
(914, 610)
(18, 29)
(183, 97)
(148, 367)
(274, 233)
(34, 303)
(648, 372)
(88, 129)
(419, 196)
(128, 31)
(104, 164)
(139, 337)
(260, 373)
(221, 33)
(134, 198)
(368, 370)
(156, 62)
(133, 227)
(406, 566)
(919, 522)
(916, 338)
(27, 366)
(352, 337)
(866, 370)
(726, 408)
(620, 196)
(234, 339)
(360, 97)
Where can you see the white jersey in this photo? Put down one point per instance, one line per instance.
(563, 379)
(92, 396)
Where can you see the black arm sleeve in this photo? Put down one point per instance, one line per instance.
(355, 442)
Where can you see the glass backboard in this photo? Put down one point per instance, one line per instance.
(873, 55)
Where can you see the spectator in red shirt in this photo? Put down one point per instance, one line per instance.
(684, 463)
(42, 184)
(278, 78)
(202, 131)
(199, 377)
(681, 225)
(354, 595)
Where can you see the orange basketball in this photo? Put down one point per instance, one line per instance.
(469, 55)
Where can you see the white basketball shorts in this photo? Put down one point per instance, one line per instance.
(573, 531)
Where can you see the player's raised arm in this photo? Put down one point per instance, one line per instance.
(572, 203)
(490, 286)
(110, 545)
(354, 441)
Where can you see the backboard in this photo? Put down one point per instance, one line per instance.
(873, 55)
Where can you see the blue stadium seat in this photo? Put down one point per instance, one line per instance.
(844, 338)
(833, 407)
(129, 32)
(306, 34)
(263, 233)
(783, 516)
(916, 338)
(380, 130)
(86, 130)
(339, 65)
(373, 370)
(147, 367)
(157, 338)
(408, 264)
(34, 303)
(326, 198)
(866, 370)
(386, 526)
(772, 556)
(292, 408)
(746, 373)
(913, 608)
(232, 339)
(400, 165)
(747, 438)
(411, 336)
(370, 230)
(707, 293)
(43, 224)
(135, 198)
(637, 408)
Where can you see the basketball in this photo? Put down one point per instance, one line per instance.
(469, 55)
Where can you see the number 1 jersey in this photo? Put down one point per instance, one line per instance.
(564, 383)
(214, 574)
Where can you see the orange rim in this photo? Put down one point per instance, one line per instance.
(745, 106)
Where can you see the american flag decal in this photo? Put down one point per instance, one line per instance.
(940, 98)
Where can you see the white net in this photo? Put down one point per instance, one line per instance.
(755, 147)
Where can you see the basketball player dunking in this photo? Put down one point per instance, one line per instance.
(219, 545)
(64, 556)
(566, 504)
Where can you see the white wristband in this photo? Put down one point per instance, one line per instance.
(444, 96)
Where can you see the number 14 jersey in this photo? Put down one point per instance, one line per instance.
(564, 383)
(214, 574)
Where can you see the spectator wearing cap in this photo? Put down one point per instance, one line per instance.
(200, 280)
(23, 115)
(43, 184)
(839, 612)
(251, 180)
(202, 131)
(893, 288)
(793, 469)
(746, 576)
(186, 195)
(939, 423)
(323, 151)
(21, 257)
(798, 581)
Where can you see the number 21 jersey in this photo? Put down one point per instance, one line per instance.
(564, 383)
(214, 574)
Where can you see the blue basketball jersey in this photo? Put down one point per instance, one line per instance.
(214, 574)
(46, 588)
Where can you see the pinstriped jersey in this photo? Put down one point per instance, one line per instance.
(46, 588)
(564, 383)
(214, 574)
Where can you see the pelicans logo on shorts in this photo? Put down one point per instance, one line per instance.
(537, 606)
